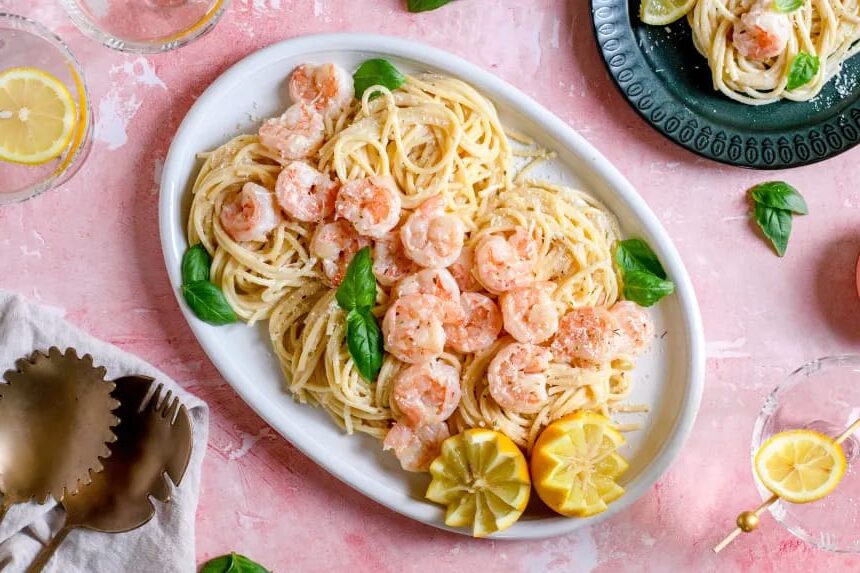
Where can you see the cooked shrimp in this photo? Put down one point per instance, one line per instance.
(529, 313)
(505, 263)
(390, 263)
(516, 377)
(304, 193)
(480, 327)
(416, 448)
(585, 334)
(432, 238)
(763, 32)
(462, 270)
(372, 205)
(296, 134)
(251, 215)
(335, 244)
(440, 284)
(427, 393)
(634, 327)
(413, 328)
(327, 87)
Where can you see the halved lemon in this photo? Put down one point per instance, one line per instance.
(800, 465)
(37, 116)
(663, 12)
(482, 477)
(574, 464)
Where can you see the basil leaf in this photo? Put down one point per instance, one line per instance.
(208, 303)
(803, 68)
(775, 224)
(358, 288)
(195, 265)
(636, 255)
(645, 288)
(424, 5)
(779, 195)
(364, 340)
(376, 72)
(233, 563)
(787, 5)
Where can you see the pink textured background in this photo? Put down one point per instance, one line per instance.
(92, 248)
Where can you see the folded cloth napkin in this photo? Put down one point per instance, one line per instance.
(166, 543)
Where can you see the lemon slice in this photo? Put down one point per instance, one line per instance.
(37, 116)
(483, 479)
(800, 465)
(574, 464)
(663, 12)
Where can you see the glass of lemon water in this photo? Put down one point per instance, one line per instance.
(822, 396)
(145, 26)
(45, 116)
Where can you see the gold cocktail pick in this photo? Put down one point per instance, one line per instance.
(748, 520)
(55, 421)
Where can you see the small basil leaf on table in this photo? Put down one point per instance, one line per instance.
(364, 340)
(803, 68)
(779, 195)
(425, 5)
(376, 72)
(636, 255)
(775, 224)
(645, 288)
(233, 563)
(208, 303)
(195, 264)
(787, 5)
(358, 288)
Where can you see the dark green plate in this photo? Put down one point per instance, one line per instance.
(669, 84)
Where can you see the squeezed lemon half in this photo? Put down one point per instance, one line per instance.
(663, 12)
(574, 464)
(482, 478)
(37, 116)
(800, 465)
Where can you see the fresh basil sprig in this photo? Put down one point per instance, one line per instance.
(424, 5)
(232, 563)
(195, 264)
(376, 72)
(204, 298)
(774, 202)
(644, 278)
(803, 68)
(357, 295)
(787, 6)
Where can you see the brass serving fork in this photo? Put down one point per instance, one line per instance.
(154, 437)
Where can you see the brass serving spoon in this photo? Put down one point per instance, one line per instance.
(154, 437)
(55, 421)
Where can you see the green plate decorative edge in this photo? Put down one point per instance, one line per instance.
(667, 82)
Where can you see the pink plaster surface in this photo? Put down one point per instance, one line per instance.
(92, 249)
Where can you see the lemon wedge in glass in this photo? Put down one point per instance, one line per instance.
(37, 116)
(574, 464)
(482, 478)
(800, 465)
(664, 12)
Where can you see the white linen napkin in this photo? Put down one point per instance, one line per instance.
(166, 543)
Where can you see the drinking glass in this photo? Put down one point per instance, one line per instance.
(24, 42)
(145, 26)
(822, 395)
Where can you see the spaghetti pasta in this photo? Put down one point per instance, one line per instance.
(434, 136)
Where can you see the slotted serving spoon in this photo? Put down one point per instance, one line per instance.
(55, 421)
(154, 438)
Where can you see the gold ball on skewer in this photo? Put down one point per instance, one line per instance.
(748, 521)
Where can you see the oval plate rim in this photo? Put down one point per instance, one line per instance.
(173, 242)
